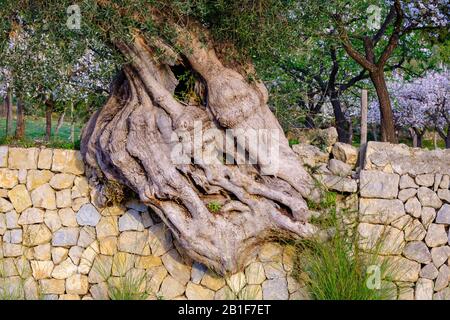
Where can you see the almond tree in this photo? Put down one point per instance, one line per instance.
(41, 75)
(424, 104)
(372, 45)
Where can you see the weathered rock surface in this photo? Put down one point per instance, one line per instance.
(379, 185)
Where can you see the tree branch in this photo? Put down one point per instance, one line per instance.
(393, 40)
(382, 30)
(352, 52)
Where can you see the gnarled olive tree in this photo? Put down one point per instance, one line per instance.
(133, 138)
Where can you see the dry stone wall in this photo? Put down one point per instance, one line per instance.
(404, 210)
(403, 201)
(56, 244)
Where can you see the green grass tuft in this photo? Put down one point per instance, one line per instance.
(130, 286)
(336, 269)
(214, 206)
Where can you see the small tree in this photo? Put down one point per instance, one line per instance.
(371, 44)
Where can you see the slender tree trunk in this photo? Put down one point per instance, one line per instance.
(387, 116)
(350, 131)
(342, 125)
(48, 119)
(364, 110)
(447, 139)
(72, 124)
(420, 134)
(20, 124)
(139, 137)
(435, 136)
(3, 109)
(374, 131)
(445, 136)
(9, 113)
(419, 140)
(413, 134)
(59, 123)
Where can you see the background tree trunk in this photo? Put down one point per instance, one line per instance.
(20, 123)
(447, 140)
(59, 123)
(419, 134)
(350, 131)
(3, 109)
(72, 123)
(413, 134)
(48, 119)
(435, 135)
(374, 132)
(445, 136)
(9, 113)
(342, 124)
(140, 136)
(387, 116)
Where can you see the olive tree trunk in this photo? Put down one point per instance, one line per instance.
(48, 119)
(20, 123)
(9, 113)
(177, 156)
(59, 123)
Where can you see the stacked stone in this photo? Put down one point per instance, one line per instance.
(336, 173)
(405, 206)
(55, 243)
(339, 174)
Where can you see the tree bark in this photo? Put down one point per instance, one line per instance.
(374, 66)
(445, 136)
(447, 140)
(3, 109)
(9, 113)
(419, 137)
(387, 116)
(342, 125)
(72, 123)
(374, 131)
(59, 123)
(20, 123)
(48, 119)
(413, 137)
(137, 138)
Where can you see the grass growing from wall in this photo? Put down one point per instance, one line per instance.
(130, 284)
(128, 287)
(13, 288)
(332, 267)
